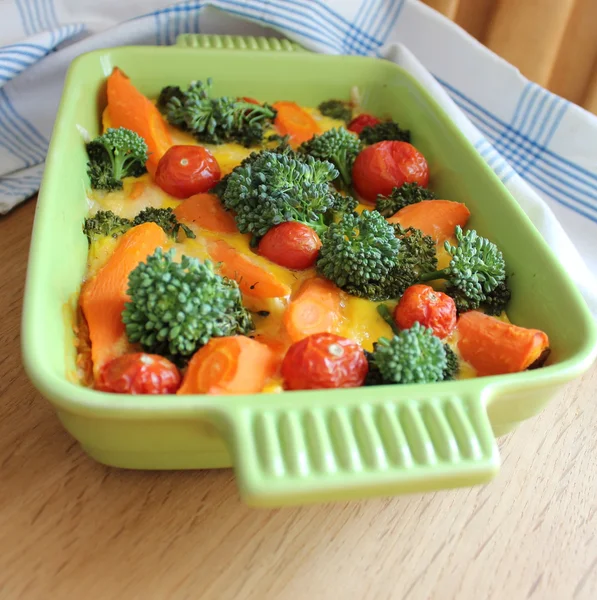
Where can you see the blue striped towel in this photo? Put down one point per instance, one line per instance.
(542, 147)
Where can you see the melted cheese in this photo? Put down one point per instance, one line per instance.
(359, 321)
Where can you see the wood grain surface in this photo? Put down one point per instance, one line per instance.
(552, 42)
(71, 528)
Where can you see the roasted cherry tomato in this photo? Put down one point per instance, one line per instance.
(385, 165)
(291, 245)
(430, 308)
(187, 170)
(324, 360)
(359, 123)
(138, 373)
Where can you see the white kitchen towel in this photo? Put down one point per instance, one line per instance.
(542, 147)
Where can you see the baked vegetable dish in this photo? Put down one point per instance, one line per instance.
(238, 247)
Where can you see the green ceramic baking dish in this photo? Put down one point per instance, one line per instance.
(296, 447)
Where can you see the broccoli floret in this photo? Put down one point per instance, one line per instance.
(116, 154)
(358, 252)
(342, 205)
(476, 269)
(336, 109)
(387, 130)
(415, 355)
(215, 120)
(338, 146)
(452, 366)
(275, 188)
(166, 95)
(373, 376)
(165, 218)
(407, 193)
(495, 302)
(283, 148)
(105, 223)
(417, 250)
(417, 254)
(176, 307)
(370, 258)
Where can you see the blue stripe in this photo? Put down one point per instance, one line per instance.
(358, 29)
(380, 15)
(309, 31)
(24, 45)
(553, 191)
(24, 17)
(520, 155)
(16, 61)
(345, 29)
(368, 15)
(520, 104)
(391, 22)
(15, 142)
(577, 170)
(25, 133)
(543, 134)
(242, 11)
(248, 12)
(50, 14)
(8, 143)
(351, 36)
(7, 50)
(34, 15)
(510, 146)
(552, 173)
(540, 185)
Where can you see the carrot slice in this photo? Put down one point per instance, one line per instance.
(229, 365)
(128, 107)
(437, 218)
(253, 279)
(102, 298)
(315, 309)
(494, 347)
(206, 211)
(295, 121)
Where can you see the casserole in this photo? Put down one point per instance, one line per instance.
(303, 446)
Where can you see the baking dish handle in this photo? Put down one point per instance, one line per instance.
(203, 41)
(288, 452)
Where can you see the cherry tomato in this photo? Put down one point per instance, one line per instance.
(324, 360)
(385, 165)
(187, 170)
(359, 123)
(291, 245)
(430, 308)
(138, 373)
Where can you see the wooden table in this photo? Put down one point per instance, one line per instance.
(71, 528)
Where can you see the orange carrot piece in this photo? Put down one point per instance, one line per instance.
(206, 211)
(315, 309)
(229, 365)
(253, 279)
(437, 218)
(494, 347)
(127, 107)
(295, 121)
(103, 297)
